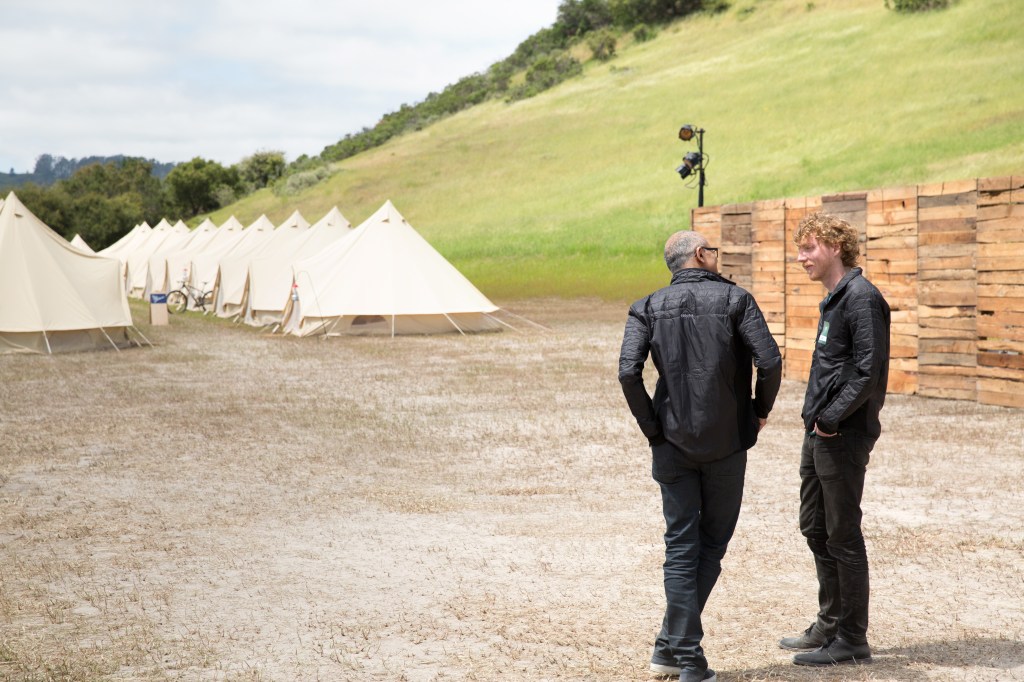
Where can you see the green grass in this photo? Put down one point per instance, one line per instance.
(573, 192)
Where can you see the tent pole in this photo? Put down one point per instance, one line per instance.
(47, 340)
(509, 312)
(136, 329)
(453, 324)
(492, 317)
(110, 339)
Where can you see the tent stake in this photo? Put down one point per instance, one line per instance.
(47, 339)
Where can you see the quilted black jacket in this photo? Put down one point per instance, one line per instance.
(702, 332)
(850, 365)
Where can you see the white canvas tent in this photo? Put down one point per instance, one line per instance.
(233, 271)
(81, 244)
(231, 236)
(168, 267)
(127, 245)
(269, 283)
(56, 297)
(384, 278)
(163, 236)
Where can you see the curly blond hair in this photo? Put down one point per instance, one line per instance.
(831, 230)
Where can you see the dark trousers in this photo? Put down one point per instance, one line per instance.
(701, 503)
(831, 485)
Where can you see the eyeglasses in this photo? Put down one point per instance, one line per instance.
(711, 248)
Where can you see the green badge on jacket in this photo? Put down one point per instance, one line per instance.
(824, 333)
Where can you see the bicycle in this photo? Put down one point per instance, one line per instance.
(178, 300)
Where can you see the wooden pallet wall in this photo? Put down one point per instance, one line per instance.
(707, 221)
(1000, 321)
(891, 265)
(735, 247)
(768, 265)
(802, 296)
(948, 257)
(947, 290)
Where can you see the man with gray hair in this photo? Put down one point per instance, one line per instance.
(704, 334)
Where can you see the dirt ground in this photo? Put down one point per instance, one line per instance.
(231, 505)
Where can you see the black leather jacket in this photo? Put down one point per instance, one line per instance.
(850, 365)
(703, 332)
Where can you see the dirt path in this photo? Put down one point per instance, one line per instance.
(236, 506)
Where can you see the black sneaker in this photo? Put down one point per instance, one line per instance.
(709, 676)
(836, 652)
(808, 641)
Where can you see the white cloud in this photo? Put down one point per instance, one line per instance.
(224, 78)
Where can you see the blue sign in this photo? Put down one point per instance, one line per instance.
(158, 298)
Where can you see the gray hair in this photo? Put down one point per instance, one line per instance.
(681, 247)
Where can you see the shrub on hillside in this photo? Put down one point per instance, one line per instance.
(546, 72)
(908, 6)
(297, 182)
(602, 44)
(642, 33)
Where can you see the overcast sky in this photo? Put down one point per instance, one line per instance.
(221, 79)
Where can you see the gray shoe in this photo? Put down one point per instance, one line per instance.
(836, 652)
(808, 641)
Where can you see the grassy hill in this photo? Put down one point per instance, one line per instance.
(573, 192)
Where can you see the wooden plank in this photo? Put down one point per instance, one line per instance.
(1001, 392)
(926, 332)
(936, 238)
(947, 293)
(947, 346)
(1001, 345)
(836, 205)
(947, 224)
(948, 188)
(945, 311)
(1006, 318)
(952, 212)
(1007, 250)
(903, 383)
(947, 370)
(1010, 373)
(1000, 211)
(732, 209)
(1003, 182)
(1005, 359)
(990, 264)
(1003, 399)
(907, 192)
(926, 252)
(968, 274)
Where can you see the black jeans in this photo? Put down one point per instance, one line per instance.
(701, 503)
(831, 486)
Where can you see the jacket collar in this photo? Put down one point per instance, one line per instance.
(847, 278)
(688, 275)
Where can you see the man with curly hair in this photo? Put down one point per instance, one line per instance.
(845, 393)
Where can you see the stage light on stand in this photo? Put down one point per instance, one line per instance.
(694, 161)
(690, 161)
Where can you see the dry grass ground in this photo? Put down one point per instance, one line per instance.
(235, 506)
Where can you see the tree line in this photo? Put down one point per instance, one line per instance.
(103, 201)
